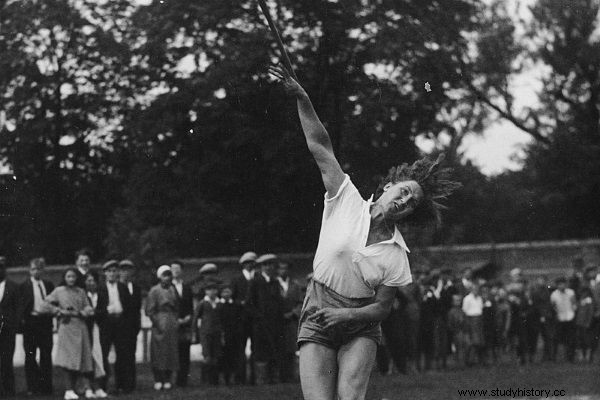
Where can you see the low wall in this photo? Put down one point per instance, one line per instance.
(552, 258)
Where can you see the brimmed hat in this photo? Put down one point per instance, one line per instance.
(126, 264)
(162, 269)
(110, 264)
(208, 268)
(266, 258)
(248, 256)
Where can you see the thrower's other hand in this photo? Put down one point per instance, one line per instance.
(291, 87)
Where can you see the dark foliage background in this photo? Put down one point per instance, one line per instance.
(151, 130)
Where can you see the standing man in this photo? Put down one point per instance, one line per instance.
(564, 303)
(184, 319)
(266, 307)
(113, 299)
(239, 287)
(133, 323)
(292, 305)
(83, 259)
(9, 296)
(37, 329)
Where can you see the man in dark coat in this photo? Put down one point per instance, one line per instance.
(37, 329)
(186, 309)
(114, 297)
(239, 286)
(9, 321)
(291, 291)
(265, 304)
(83, 259)
(133, 323)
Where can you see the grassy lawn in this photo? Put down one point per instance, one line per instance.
(579, 381)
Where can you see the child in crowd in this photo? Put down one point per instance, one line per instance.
(472, 306)
(503, 319)
(488, 317)
(457, 329)
(583, 321)
(211, 331)
(234, 345)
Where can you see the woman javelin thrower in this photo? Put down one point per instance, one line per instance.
(361, 260)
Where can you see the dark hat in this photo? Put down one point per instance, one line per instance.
(211, 284)
(126, 264)
(110, 264)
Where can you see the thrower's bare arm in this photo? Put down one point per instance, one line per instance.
(317, 138)
(375, 312)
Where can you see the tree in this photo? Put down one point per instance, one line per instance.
(232, 143)
(64, 88)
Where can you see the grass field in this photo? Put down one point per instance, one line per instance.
(579, 381)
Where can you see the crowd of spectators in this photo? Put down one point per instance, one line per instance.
(247, 325)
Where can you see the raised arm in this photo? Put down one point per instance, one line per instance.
(317, 138)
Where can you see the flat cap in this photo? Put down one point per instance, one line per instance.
(126, 264)
(162, 269)
(110, 264)
(266, 258)
(208, 268)
(248, 256)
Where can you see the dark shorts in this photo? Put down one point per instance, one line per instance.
(319, 296)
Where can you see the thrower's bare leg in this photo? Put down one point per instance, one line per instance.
(355, 362)
(318, 372)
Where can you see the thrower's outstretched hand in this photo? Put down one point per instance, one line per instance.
(290, 85)
(317, 138)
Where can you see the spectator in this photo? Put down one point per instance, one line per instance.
(133, 323)
(211, 331)
(239, 287)
(186, 309)
(37, 329)
(488, 320)
(540, 295)
(292, 305)
(113, 301)
(234, 339)
(564, 303)
(96, 378)
(457, 330)
(472, 306)
(583, 323)
(503, 321)
(162, 307)
(266, 305)
(9, 297)
(73, 347)
(83, 259)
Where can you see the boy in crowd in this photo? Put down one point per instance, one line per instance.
(234, 343)
(211, 331)
(457, 329)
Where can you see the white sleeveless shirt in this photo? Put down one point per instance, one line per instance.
(342, 262)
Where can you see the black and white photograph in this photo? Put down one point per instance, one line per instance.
(299, 199)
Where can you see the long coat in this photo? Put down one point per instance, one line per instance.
(162, 307)
(73, 346)
(265, 305)
(292, 305)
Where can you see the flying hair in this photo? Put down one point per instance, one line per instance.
(435, 182)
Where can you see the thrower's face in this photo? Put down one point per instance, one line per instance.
(400, 199)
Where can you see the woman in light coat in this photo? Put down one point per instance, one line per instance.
(162, 307)
(70, 305)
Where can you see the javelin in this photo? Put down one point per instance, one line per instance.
(284, 54)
